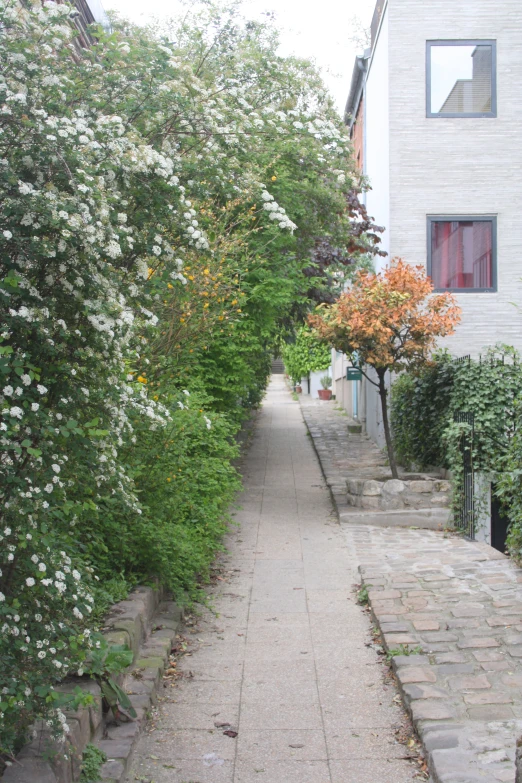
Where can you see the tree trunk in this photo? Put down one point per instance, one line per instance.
(383, 394)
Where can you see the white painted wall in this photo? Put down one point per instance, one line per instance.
(315, 382)
(377, 136)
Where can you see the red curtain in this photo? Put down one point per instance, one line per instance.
(461, 254)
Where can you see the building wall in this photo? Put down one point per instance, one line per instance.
(377, 135)
(314, 382)
(459, 166)
(345, 393)
(358, 136)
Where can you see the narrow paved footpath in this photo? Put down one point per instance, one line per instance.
(285, 660)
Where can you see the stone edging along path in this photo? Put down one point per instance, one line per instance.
(455, 607)
(148, 626)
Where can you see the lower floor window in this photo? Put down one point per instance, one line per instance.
(461, 253)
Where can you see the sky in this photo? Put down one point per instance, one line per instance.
(319, 29)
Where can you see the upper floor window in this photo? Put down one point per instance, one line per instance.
(461, 79)
(462, 253)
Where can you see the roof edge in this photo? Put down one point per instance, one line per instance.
(354, 96)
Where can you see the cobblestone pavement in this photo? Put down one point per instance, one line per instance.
(287, 662)
(341, 454)
(457, 606)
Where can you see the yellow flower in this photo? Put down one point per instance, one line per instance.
(169, 285)
(168, 479)
(206, 271)
(191, 277)
(142, 379)
(182, 320)
(238, 309)
(205, 305)
(234, 301)
(274, 179)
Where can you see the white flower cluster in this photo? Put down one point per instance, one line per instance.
(276, 212)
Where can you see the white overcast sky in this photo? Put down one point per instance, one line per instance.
(319, 29)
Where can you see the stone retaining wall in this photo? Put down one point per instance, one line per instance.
(148, 626)
(382, 494)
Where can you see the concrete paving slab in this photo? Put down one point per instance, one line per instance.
(284, 659)
(287, 771)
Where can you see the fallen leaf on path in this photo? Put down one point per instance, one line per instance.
(221, 725)
(230, 733)
(296, 746)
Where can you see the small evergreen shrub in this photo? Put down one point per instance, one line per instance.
(92, 761)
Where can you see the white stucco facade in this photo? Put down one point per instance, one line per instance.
(312, 384)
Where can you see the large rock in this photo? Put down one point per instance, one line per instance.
(372, 488)
(421, 486)
(394, 487)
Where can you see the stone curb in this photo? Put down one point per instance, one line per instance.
(148, 625)
(427, 518)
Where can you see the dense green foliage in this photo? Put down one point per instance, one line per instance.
(420, 411)
(509, 486)
(425, 432)
(92, 761)
(307, 354)
(424, 405)
(161, 213)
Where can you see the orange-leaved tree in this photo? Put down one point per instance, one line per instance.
(388, 321)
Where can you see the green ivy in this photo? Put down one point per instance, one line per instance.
(420, 412)
(425, 432)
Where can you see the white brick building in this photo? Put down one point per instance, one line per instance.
(441, 143)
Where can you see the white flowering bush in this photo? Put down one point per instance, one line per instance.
(159, 207)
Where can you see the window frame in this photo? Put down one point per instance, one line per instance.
(465, 219)
(462, 42)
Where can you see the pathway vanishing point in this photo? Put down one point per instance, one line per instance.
(285, 662)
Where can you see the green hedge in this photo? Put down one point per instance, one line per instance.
(420, 412)
(426, 434)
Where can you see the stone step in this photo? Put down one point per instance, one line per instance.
(427, 518)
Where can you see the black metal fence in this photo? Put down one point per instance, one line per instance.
(466, 514)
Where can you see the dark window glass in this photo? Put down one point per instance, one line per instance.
(462, 254)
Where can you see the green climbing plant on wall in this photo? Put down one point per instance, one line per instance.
(426, 434)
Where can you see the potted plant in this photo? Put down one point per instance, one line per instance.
(325, 393)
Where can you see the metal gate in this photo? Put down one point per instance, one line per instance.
(466, 514)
